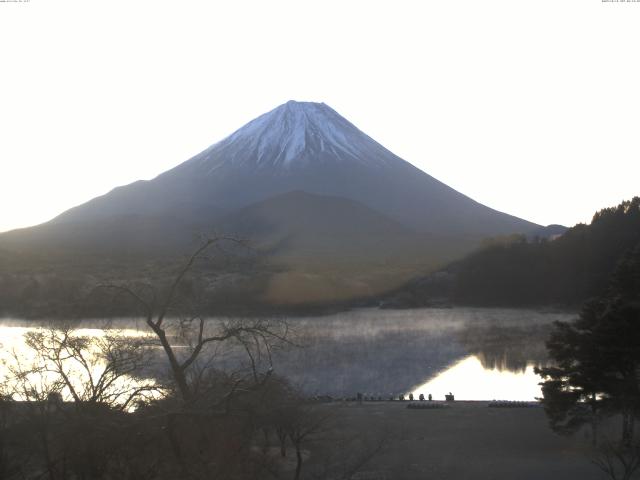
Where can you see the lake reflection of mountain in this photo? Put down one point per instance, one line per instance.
(383, 352)
(506, 347)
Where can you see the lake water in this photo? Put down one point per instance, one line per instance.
(477, 354)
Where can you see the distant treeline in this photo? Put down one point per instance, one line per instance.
(564, 271)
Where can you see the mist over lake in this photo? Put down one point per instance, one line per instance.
(383, 352)
(390, 352)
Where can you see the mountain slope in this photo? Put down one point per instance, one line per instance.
(335, 214)
(306, 147)
(332, 248)
(302, 227)
(301, 223)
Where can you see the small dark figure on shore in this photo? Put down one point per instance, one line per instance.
(391, 398)
(430, 397)
(401, 398)
(359, 396)
(411, 397)
(421, 397)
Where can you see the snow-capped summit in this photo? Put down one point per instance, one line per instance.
(304, 147)
(293, 135)
(338, 215)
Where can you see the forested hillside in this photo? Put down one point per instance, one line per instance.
(567, 270)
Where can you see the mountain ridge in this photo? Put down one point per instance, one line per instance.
(332, 215)
(305, 146)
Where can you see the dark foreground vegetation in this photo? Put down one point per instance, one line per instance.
(238, 427)
(596, 372)
(186, 399)
(233, 428)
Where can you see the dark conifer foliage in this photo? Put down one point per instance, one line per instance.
(597, 357)
(567, 270)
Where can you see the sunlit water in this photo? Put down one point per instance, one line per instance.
(25, 375)
(477, 354)
(468, 379)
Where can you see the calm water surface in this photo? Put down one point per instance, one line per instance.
(477, 354)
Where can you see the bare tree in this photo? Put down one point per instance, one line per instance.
(101, 369)
(213, 364)
(306, 422)
(618, 460)
(72, 393)
(256, 336)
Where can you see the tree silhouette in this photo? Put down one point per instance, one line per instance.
(175, 317)
(597, 358)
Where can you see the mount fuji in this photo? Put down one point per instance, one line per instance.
(302, 182)
(300, 146)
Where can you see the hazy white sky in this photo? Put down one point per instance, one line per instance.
(530, 107)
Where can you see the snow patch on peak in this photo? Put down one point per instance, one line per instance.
(292, 135)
